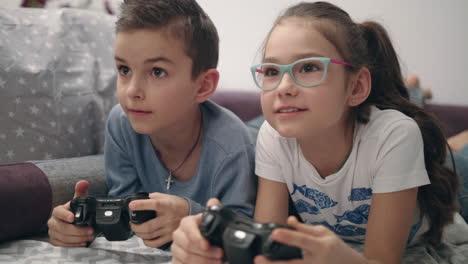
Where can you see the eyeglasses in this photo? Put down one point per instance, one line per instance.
(306, 72)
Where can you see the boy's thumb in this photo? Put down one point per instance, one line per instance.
(213, 201)
(81, 188)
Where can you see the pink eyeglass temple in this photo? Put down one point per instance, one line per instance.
(341, 62)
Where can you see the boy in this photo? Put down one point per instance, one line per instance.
(164, 137)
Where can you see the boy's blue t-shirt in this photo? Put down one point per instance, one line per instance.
(225, 169)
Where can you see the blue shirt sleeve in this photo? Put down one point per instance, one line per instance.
(235, 183)
(121, 177)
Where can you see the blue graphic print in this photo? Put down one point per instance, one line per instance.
(305, 207)
(360, 194)
(414, 230)
(344, 230)
(321, 199)
(360, 215)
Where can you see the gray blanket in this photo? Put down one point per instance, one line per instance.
(453, 251)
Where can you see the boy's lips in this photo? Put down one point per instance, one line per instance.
(138, 112)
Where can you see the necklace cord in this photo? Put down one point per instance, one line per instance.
(171, 172)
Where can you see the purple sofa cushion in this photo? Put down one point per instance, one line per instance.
(246, 105)
(25, 200)
(453, 117)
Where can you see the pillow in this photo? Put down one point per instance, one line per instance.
(461, 163)
(57, 82)
(25, 200)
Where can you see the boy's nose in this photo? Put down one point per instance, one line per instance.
(135, 90)
(287, 86)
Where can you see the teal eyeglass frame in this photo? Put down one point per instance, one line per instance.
(288, 68)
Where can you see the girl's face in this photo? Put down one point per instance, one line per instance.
(296, 111)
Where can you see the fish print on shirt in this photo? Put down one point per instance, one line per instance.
(344, 230)
(359, 216)
(360, 194)
(322, 200)
(305, 207)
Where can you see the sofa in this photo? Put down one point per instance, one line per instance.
(57, 83)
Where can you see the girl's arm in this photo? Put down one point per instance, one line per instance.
(272, 201)
(390, 219)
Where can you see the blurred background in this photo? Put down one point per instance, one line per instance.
(430, 36)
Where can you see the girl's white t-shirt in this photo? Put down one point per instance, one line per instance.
(387, 156)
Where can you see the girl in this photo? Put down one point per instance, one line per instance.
(360, 162)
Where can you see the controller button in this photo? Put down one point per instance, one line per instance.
(240, 235)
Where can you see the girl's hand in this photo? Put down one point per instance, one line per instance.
(319, 245)
(170, 210)
(190, 246)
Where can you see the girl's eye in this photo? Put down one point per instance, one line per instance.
(271, 72)
(309, 67)
(123, 70)
(158, 72)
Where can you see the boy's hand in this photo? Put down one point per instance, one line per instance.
(319, 245)
(170, 210)
(61, 230)
(190, 246)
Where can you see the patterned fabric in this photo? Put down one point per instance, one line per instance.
(57, 82)
(100, 251)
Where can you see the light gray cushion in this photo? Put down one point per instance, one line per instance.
(64, 173)
(57, 82)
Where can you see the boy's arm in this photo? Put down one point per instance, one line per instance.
(235, 183)
(121, 176)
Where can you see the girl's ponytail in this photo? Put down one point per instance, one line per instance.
(437, 200)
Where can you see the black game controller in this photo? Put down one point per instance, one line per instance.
(242, 238)
(109, 216)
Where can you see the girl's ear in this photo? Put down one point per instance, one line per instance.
(360, 87)
(206, 85)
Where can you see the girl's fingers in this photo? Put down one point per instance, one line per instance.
(295, 238)
(315, 230)
(264, 260)
(180, 255)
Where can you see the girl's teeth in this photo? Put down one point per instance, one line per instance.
(288, 110)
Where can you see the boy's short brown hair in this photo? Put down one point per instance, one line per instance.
(184, 19)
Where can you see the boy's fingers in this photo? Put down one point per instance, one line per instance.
(81, 188)
(59, 243)
(213, 201)
(63, 213)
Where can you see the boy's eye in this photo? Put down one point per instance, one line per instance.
(158, 72)
(123, 70)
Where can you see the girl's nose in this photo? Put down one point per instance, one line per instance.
(287, 86)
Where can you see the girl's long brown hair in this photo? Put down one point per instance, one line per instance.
(368, 45)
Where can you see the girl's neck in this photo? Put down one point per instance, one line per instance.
(329, 151)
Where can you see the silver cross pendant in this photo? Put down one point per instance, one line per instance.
(169, 181)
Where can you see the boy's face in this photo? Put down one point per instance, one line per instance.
(154, 86)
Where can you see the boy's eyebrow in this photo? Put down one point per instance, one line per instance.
(150, 60)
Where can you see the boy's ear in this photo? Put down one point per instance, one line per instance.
(360, 87)
(208, 81)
